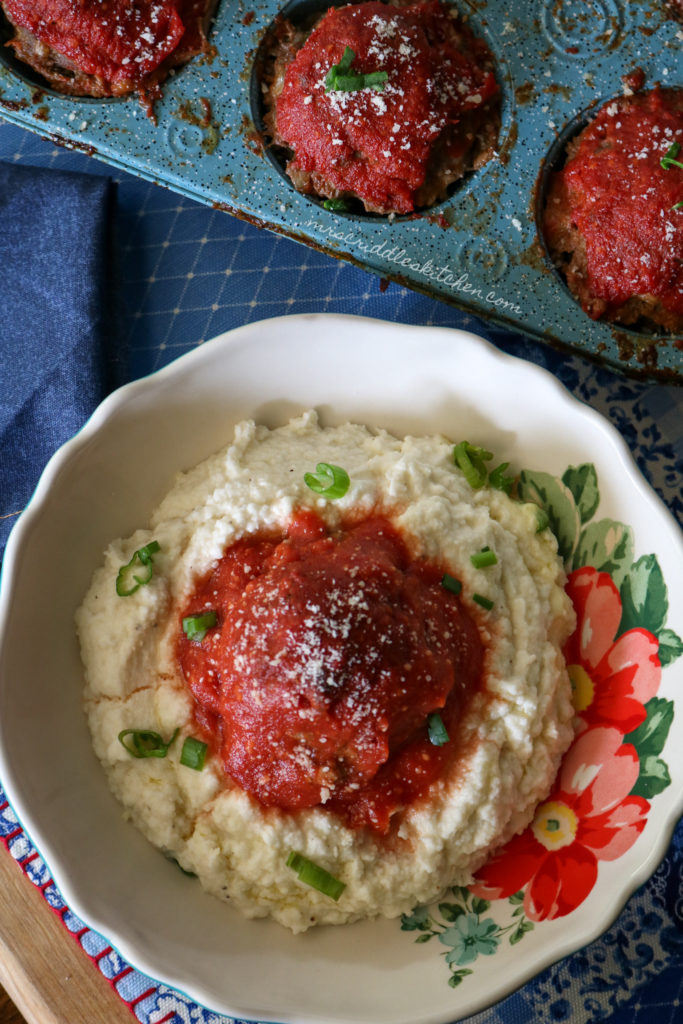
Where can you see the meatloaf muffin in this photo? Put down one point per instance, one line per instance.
(382, 103)
(106, 47)
(613, 217)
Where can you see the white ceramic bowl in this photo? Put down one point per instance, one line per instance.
(105, 482)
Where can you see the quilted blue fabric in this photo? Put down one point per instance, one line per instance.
(53, 255)
(186, 273)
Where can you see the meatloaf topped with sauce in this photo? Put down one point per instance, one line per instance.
(613, 216)
(387, 104)
(106, 48)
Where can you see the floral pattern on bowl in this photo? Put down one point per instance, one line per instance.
(600, 800)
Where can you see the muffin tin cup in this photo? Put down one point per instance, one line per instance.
(305, 14)
(480, 249)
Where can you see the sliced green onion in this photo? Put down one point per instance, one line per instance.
(499, 481)
(341, 77)
(485, 602)
(668, 161)
(336, 205)
(669, 158)
(193, 754)
(328, 480)
(196, 627)
(129, 577)
(344, 64)
(451, 583)
(354, 81)
(470, 459)
(482, 559)
(437, 730)
(144, 742)
(315, 876)
(173, 860)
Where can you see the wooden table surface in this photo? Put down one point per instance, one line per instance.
(8, 1011)
(42, 969)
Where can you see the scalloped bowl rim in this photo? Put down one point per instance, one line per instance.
(223, 349)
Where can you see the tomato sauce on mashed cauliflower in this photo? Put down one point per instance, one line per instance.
(331, 645)
(332, 648)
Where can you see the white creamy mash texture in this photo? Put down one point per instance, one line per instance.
(516, 730)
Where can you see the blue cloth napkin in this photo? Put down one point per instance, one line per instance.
(56, 319)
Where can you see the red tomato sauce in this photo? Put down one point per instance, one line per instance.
(330, 651)
(622, 200)
(114, 39)
(377, 144)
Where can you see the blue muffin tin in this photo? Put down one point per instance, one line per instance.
(480, 249)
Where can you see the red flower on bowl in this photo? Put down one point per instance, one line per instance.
(612, 678)
(589, 815)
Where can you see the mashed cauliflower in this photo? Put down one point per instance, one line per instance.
(513, 733)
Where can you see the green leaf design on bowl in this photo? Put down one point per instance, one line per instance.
(600, 554)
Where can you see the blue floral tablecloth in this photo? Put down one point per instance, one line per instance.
(188, 273)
